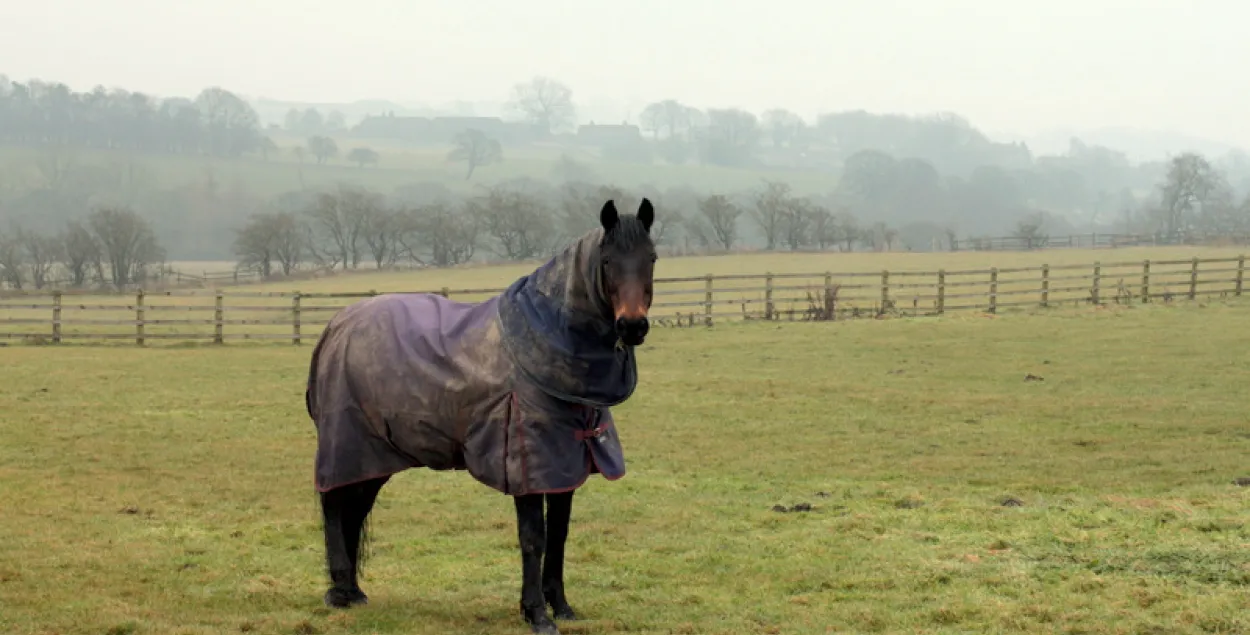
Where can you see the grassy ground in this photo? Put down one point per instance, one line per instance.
(398, 166)
(168, 491)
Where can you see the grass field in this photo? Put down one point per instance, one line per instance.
(399, 165)
(168, 490)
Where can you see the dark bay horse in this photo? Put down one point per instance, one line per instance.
(516, 390)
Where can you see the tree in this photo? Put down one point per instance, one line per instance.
(338, 218)
(79, 251)
(12, 261)
(670, 117)
(41, 254)
(1192, 188)
(730, 138)
(772, 204)
(323, 148)
(127, 245)
(722, 218)
(449, 237)
(545, 102)
(522, 226)
(1029, 230)
(783, 126)
(476, 149)
(363, 156)
(270, 237)
(231, 124)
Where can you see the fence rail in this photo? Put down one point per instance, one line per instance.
(217, 316)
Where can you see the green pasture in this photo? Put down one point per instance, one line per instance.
(399, 165)
(1068, 471)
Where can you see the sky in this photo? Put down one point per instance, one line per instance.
(1011, 67)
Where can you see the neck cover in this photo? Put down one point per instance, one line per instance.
(557, 327)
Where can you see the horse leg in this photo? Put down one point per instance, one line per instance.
(559, 508)
(531, 534)
(344, 511)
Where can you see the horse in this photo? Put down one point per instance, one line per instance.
(516, 390)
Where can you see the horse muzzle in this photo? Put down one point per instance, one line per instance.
(632, 330)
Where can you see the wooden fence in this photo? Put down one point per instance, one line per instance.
(217, 316)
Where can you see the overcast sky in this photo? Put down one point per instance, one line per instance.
(1009, 66)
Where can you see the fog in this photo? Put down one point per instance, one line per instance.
(890, 124)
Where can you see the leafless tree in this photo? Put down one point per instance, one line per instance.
(42, 252)
(338, 219)
(772, 204)
(545, 102)
(127, 244)
(270, 237)
(520, 222)
(448, 236)
(475, 149)
(79, 251)
(721, 215)
(383, 231)
(12, 260)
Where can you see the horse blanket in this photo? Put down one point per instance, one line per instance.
(516, 390)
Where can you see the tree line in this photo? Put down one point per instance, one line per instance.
(348, 226)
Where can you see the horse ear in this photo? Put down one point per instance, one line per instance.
(646, 214)
(608, 216)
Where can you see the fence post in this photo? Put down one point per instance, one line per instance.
(1241, 267)
(1097, 284)
(994, 290)
(941, 291)
(768, 296)
(295, 309)
(885, 290)
(56, 317)
(1045, 286)
(829, 302)
(707, 301)
(1193, 279)
(139, 317)
(218, 318)
(1145, 281)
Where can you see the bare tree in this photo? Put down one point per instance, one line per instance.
(79, 251)
(323, 148)
(722, 218)
(42, 252)
(270, 237)
(783, 126)
(338, 219)
(521, 224)
(545, 102)
(127, 245)
(1192, 187)
(825, 230)
(1029, 230)
(772, 204)
(383, 232)
(449, 237)
(798, 218)
(476, 149)
(12, 261)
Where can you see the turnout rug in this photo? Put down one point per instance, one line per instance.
(516, 389)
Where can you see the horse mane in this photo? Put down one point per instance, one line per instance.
(629, 233)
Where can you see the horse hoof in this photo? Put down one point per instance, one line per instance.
(564, 613)
(546, 627)
(340, 599)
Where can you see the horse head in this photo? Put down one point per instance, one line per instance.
(627, 264)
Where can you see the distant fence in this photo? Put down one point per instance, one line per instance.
(1093, 240)
(189, 315)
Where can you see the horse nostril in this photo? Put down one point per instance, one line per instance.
(620, 325)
